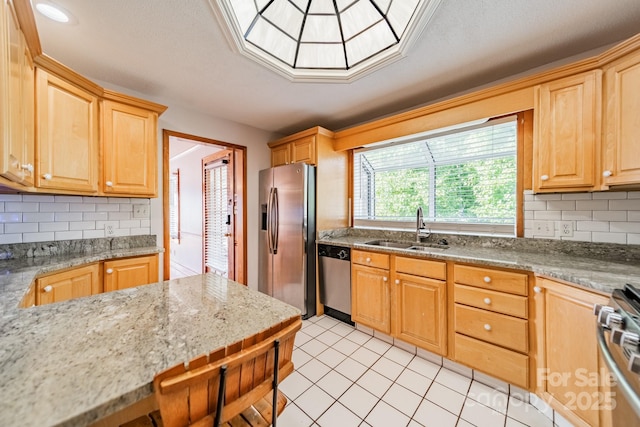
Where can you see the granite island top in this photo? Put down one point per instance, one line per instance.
(74, 362)
(605, 268)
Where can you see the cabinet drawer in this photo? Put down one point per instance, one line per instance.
(370, 259)
(422, 267)
(500, 302)
(495, 328)
(504, 364)
(496, 280)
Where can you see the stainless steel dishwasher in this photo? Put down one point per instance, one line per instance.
(335, 281)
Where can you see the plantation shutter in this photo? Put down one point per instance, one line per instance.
(174, 205)
(216, 248)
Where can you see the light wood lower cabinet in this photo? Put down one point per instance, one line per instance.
(66, 285)
(570, 374)
(130, 272)
(370, 293)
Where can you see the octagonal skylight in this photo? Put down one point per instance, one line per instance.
(312, 40)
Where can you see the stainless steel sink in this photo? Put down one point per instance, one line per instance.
(412, 246)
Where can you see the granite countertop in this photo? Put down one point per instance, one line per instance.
(74, 362)
(599, 270)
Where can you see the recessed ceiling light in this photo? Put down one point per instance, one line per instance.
(54, 12)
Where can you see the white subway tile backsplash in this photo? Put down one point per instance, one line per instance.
(38, 218)
(607, 217)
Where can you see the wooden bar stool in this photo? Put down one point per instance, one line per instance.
(245, 373)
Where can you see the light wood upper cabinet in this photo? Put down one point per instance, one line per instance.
(370, 293)
(301, 150)
(281, 155)
(130, 272)
(567, 131)
(130, 150)
(568, 362)
(420, 303)
(74, 283)
(621, 159)
(17, 110)
(67, 137)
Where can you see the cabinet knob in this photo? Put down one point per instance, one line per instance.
(109, 184)
(109, 270)
(368, 259)
(544, 178)
(607, 173)
(397, 281)
(384, 279)
(28, 167)
(487, 327)
(487, 279)
(537, 289)
(48, 288)
(47, 176)
(487, 301)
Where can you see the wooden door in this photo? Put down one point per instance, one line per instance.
(74, 283)
(280, 155)
(67, 138)
(567, 132)
(130, 150)
(17, 122)
(568, 363)
(219, 213)
(130, 272)
(370, 300)
(421, 312)
(622, 127)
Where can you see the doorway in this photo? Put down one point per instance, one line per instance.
(204, 212)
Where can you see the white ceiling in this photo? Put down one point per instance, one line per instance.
(175, 52)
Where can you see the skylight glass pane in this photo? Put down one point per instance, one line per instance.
(343, 4)
(285, 16)
(400, 14)
(322, 6)
(321, 28)
(357, 18)
(301, 4)
(383, 5)
(267, 37)
(313, 55)
(370, 42)
(261, 4)
(245, 11)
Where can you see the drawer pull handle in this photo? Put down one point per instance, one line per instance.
(544, 178)
(487, 327)
(368, 259)
(48, 288)
(487, 279)
(537, 289)
(487, 301)
(109, 184)
(47, 176)
(109, 270)
(607, 173)
(397, 281)
(384, 279)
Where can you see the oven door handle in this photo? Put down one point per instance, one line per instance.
(622, 383)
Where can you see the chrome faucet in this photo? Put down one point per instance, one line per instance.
(420, 225)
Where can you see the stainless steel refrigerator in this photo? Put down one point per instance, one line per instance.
(287, 260)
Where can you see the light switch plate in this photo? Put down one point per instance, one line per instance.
(141, 211)
(543, 228)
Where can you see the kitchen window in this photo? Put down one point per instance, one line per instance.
(464, 179)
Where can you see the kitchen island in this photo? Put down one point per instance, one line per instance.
(74, 362)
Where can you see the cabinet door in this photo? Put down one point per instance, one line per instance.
(280, 155)
(370, 301)
(130, 272)
(75, 283)
(567, 132)
(17, 84)
(130, 150)
(67, 141)
(568, 363)
(622, 127)
(421, 312)
(304, 150)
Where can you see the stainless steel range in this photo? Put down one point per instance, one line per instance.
(618, 330)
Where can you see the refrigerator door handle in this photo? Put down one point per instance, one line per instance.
(276, 230)
(270, 221)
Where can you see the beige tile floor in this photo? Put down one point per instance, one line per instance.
(345, 377)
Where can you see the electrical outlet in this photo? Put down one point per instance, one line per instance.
(566, 228)
(110, 228)
(543, 228)
(141, 211)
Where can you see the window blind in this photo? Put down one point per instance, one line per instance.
(215, 217)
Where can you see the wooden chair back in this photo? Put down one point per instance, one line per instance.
(188, 395)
